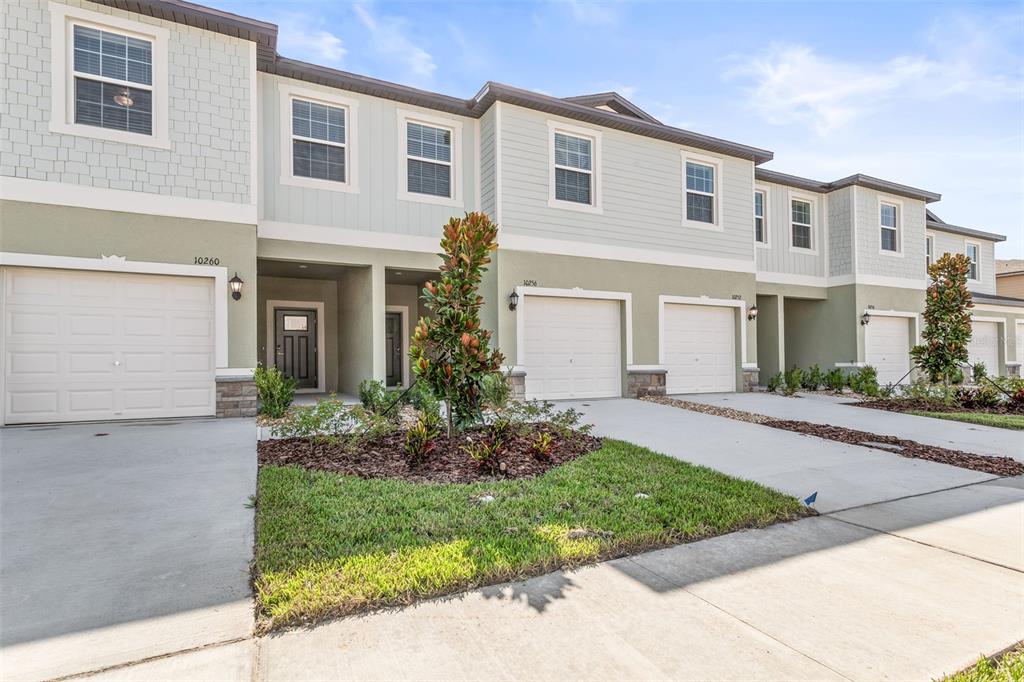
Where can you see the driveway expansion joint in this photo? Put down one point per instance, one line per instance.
(149, 659)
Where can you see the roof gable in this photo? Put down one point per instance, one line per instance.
(612, 101)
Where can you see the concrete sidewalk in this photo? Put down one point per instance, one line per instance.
(822, 598)
(826, 409)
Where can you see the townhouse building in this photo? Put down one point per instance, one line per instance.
(179, 203)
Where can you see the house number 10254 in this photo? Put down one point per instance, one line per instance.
(207, 260)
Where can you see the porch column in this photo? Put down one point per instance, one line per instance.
(378, 331)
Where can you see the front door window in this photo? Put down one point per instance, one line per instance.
(295, 351)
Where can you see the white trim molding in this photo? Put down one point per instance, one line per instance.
(977, 262)
(909, 314)
(989, 308)
(525, 291)
(596, 188)
(218, 274)
(62, 75)
(766, 192)
(1002, 328)
(289, 91)
(812, 199)
(454, 126)
(321, 351)
(885, 200)
(341, 236)
(403, 310)
(741, 319)
(842, 280)
(124, 201)
(235, 372)
(716, 224)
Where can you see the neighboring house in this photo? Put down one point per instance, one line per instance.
(1010, 278)
(157, 155)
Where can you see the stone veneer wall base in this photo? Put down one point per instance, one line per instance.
(751, 378)
(237, 397)
(642, 382)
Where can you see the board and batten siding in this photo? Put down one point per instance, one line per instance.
(376, 206)
(641, 192)
(778, 257)
(946, 242)
(209, 113)
(910, 262)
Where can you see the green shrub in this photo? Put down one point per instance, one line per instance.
(978, 372)
(835, 380)
(541, 445)
(421, 440)
(793, 380)
(864, 381)
(495, 390)
(332, 421)
(813, 379)
(374, 396)
(947, 319)
(276, 391)
(485, 453)
(956, 377)
(774, 382)
(423, 399)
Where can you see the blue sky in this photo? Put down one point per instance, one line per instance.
(928, 94)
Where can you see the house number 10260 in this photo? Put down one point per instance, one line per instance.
(207, 260)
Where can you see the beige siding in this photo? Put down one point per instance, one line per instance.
(376, 207)
(1011, 285)
(641, 193)
(910, 262)
(779, 257)
(954, 243)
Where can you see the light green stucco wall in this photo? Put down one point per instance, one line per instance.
(88, 233)
(821, 332)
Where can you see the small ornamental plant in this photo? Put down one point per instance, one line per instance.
(947, 320)
(449, 350)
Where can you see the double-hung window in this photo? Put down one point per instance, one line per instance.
(428, 159)
(574, 169)
(972, 251)
(801, 226)
(760, 227)
(113, 80)
(889, 223)
(700, 192)
(319, 141)
(929, 251)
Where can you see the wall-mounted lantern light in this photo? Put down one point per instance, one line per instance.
(865, 318)
(513, 300)
(236, 286)
(752, 313)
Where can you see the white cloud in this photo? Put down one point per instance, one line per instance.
(297, 38)
(591, 12)
(388, 36)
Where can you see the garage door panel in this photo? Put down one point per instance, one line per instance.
(573, 348)
(887, 347)
(100, 345)
(984, 345)
(699, 348)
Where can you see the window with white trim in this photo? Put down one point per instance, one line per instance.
(889, 216)
(929, 251)
(760, 233)
(113, 80)
(973, 251)
(574, 169)
(700, 192)
(428, 159)
(319, 141)
(801, 226)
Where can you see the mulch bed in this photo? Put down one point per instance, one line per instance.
(917, 405)
(448, 463)
(997, 466)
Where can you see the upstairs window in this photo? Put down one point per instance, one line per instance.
(972, 252)
(574, 169)
(429, 160)
(889, 221)
(760, 233)
(700, 192)
(801, 224)
(929, 251)
(319, 141)
(113, 80)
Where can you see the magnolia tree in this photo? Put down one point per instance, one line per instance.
(947, 322)
(449, 350)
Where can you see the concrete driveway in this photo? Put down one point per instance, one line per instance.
(120, 542)
(826, 409)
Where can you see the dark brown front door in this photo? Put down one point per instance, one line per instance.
(295, 351)
(393, 337)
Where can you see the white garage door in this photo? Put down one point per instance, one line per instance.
(82, 346)
(699, 348)
(887, 347)
(984, 346)
(573, 348)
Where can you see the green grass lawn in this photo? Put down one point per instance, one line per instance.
(330, 545)
(1003, 421)
(1009, 668)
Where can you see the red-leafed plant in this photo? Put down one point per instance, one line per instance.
(947, 320)
(449, 350)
